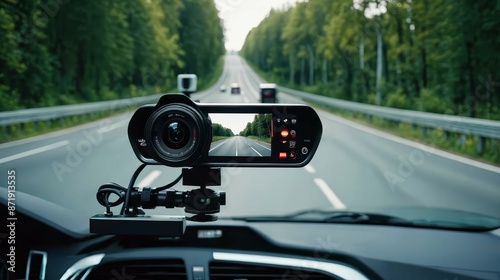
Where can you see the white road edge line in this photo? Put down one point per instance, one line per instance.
(35, 151)
(218, 146)
(310, 169)
(148, 180)
(247, 81)
(63, 132)
(255, 151)
(112, 127)
(330, 195)
(256, 142)
(415, 145)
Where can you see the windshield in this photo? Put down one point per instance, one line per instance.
(407, 93)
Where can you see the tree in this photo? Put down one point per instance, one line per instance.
(421, 55)
(60, 52)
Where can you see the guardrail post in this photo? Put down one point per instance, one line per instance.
(446, 135)
(481, 144)
(414, 126)
(463, 140)
(423, 130)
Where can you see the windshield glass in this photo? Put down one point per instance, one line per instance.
(408, 94)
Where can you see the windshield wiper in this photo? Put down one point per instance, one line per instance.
(341, 217)
(352, 217)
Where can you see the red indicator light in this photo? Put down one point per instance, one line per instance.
(282, 155)
(284, 133)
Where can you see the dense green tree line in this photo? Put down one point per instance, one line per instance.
(259, 127)
(60, 51)
(438, 56)
(219, 130)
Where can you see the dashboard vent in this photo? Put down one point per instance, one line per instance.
(140, 269)
(233, 271)
(37, 262)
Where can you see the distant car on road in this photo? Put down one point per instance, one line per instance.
(268, 93)
(223, 88)
(235, 88)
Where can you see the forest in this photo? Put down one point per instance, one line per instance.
(219, 130)
(55, 52)
(260, 127)
(430, 55)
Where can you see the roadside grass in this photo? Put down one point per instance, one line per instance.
(218, 138)
(266, 140)
(207, 82)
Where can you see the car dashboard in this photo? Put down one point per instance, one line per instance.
(234, 249)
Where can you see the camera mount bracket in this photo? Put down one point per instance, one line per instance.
(201, 202)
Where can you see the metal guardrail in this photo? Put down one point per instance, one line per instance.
(56, 112)
(464, 125)
(448, 123)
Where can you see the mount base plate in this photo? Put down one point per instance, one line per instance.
(159, 225)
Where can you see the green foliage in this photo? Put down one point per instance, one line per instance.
(219, 130)
(398, 100)
(430, 102)
(260, 127)
(201, 37)
(60, 52)
(439, 56)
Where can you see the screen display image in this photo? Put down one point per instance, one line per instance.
(241, 135)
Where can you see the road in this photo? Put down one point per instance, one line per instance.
(355, 167)
(240, 146)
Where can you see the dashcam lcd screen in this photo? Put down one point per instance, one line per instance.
(241, 135)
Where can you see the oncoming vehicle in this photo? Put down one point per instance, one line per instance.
(235, 88)
(222, 88)
(268, 93)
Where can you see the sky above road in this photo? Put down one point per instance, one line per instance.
(236, 122)
(240, 16)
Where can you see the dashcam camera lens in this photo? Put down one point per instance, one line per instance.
(176, 134)
(173, 132)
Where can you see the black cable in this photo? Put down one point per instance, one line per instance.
(130, 186)
(106, 190)
(124, 194)
(169, 185)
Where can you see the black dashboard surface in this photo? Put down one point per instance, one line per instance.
(377, 252)
(372, 251)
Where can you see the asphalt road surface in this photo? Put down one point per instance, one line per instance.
(355, 167)
(239, 146)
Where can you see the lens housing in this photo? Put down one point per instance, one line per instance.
(177, 134)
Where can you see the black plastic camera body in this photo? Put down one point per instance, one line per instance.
(178, 132)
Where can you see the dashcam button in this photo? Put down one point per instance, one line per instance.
(292, 144)
(293, 133)
(293, 121)
(293, 155)
(304, 150)
(284, 133)
(282, 155)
